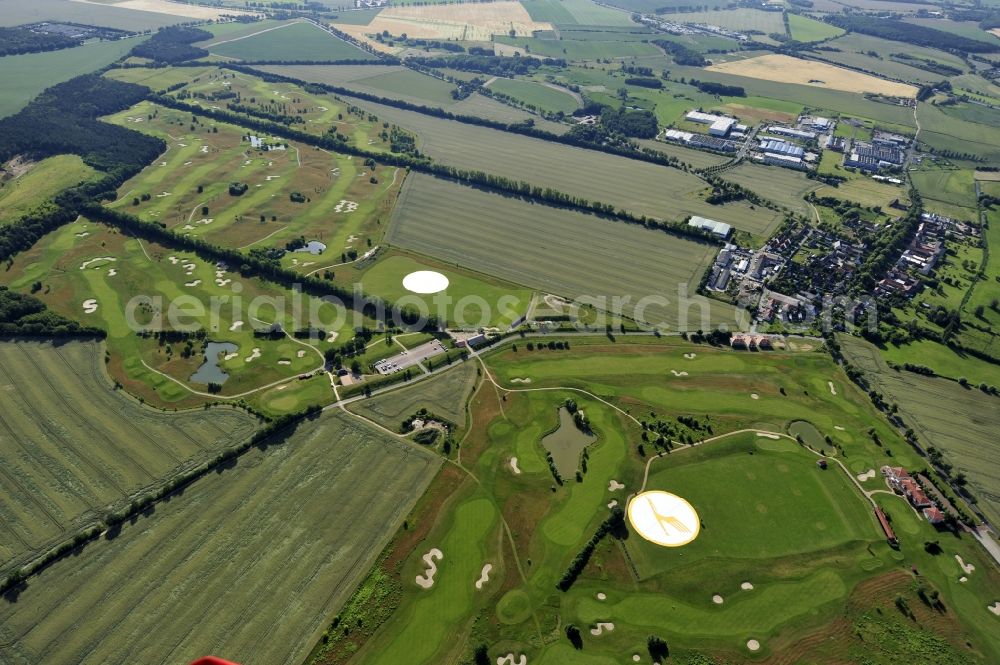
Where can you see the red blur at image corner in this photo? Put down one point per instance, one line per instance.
(212, 660)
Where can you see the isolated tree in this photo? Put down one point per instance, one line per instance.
(573, 634)
(657, 647)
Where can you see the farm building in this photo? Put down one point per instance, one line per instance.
(890, 535)
(718, 228)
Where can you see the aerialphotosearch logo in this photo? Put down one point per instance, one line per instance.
(314, 315)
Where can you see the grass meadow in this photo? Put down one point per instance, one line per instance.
(557, 251)
(536, 95)
(250, 562)
(469, 301)
(41, 181)
(13, 12)
(576, 13)
(805, 29)
(73, 448)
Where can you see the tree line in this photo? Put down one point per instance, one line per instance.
(173, 44)
(909, 33)
(499, 184)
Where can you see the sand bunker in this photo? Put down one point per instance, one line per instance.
(236, 326)
(690, 356)
(602, 596)
(614, 486)
(89, 306)
(83, 235)
(838, 428)
(510, 660)
(300, 353)
(833, 391)
(230, 356)
(746, 586)
(995, 608)
(676, 373)
(426, 581)
(345, 206)
(601, 627)
(99, 259)
(484, 576)
(332, 337)
(717, 599)
(963, 578)
(967, 567)
(753, 645)
(612, 504)
(254, 354)
(196, 282)
(867, 475)
(112, 272)
(284, 362)
(520, 380)
(754, 396)
(768, 435)
(425, 281)
(636, 658)
(514, 467)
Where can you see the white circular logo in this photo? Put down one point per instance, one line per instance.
(663, 518)
(425, 281)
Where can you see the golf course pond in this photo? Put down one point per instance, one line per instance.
(566, 444)
(210, 372)
(810, 435)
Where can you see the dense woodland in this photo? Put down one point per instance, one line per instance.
(487, 64)
(172, 45)
(64, 120)
(24, 40)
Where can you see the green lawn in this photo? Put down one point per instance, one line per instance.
(805, 29)
(290, 42)
(536, 95)
(43, 180)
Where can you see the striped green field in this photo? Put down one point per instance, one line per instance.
(41, 182)
(288, 42)
(249, 563)
(555, 250)
(72, 448)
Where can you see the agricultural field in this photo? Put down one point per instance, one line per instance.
(735, 19)
(97, 276)
(464, 22)
(945, 130)
(948, 185)
(576, 13)
(795, 90)
(23, 77)
(557, 251)
(772, 584)
(73, 448)
(536, 95)
(805, 29)
(288, 42)
(958, 421)
(26, 185)
(787, 69)
(133, 19)
(644, 188)
(783, 186)
(579, 50)
(294, 194)
(384, 81)
(444, 395)
(251, 562)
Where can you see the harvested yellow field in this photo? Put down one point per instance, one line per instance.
(786, 69)
(988, 176)
(467, 21)
(172, 8)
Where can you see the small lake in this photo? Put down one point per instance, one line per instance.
(313, 247)
(210, 372)
(566, 445)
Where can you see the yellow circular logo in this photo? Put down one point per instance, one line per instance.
(663, 518)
